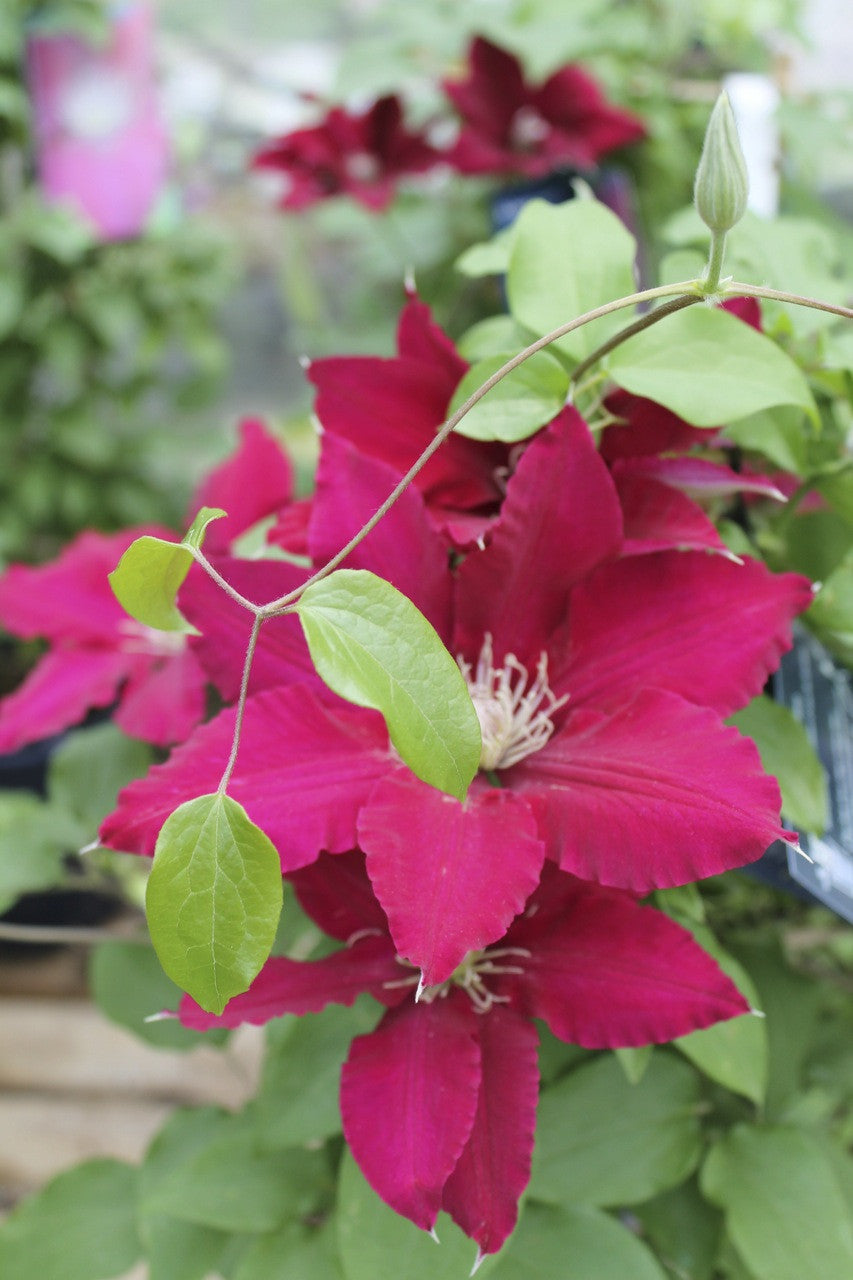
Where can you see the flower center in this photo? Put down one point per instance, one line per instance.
(471, 975)
(514, 720)
(527, 129)
(361, 166)
(158, 644)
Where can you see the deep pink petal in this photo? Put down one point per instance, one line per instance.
(63, 686)
(253, 483)
(336, 893)
(408, 1100)
(281, 655)
(403, 548)
(604, 972)
(163, 703)
(420, 338)
(699, 625)
(561, 517)
(306, 986)
(450, 876)
(305, 767)
(658, 794)
(482, 1193)
(746, 309)
(659, 518)
(698, 477)
(648, 428)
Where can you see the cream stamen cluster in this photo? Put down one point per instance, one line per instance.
(148, 640)
(471, 975)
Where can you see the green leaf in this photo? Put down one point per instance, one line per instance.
(602, 1141)
(373, 647)
(831, 614)
(590, 1243)
(491, 258)
(128, 985)
(213, 899)
(568, 259)
(709, 367)
(787, 753)
(780, 433)
(298, 1099)
(89, 767)
(374, 1241)
(294, 1252)
(34, 839)
(634, 1062)
(518, 405)
(80, 1227)
(684, 1229)
(224, 1181)
(491, 336)
(784, 1207)
(150, 574)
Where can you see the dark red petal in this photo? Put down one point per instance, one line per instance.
(606, 973)
(648, 428)
(306, 986)
(59, 691)
(305, 767)
(658, 794)
(450, 876)
(336, 893)
(561, 517)
(659, 518)
(251, 484)
(403, 548)
(699, 625)
(482, 1193)
(408, 1100)
(697, 477)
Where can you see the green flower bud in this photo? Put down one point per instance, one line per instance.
(722, 185)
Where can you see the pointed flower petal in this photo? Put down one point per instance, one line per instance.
(659, 518)
(248, 486)
(59, 691)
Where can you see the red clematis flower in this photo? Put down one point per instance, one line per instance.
(599, 684)
(439, 1101)
(97, 653)
(359, 154)
(512, 127)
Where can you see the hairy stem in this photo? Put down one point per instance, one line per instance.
(734, 287)
(202, 560)
(711, 280)
(643, 322)
(241, 704)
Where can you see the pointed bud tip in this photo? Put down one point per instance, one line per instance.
(722, 184)
(478, 1262)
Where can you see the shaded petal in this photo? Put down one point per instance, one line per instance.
(482, 1193)
(305, 986)
(251, 484)
(607, 973)
(699, 625)
(658, 794)
(58, 692)
(163, 703)
(305, 767)
(408, 1100)
(646, 427)
(336, 893)
(403, 548)
(698, 477)
(659, 518)
(560, 518)
(450, 876)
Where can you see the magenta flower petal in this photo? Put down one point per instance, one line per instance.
(659, 518)
(560, 496)
(306, 986)
(646, 427)
(698, 477)
(336, 893)
(306, 766)
(450, 876)
(59, 691)
(408, 1101)
(255, 482)
(699, 625)
(604, 972)
(482, 1192)
(656, 795)
(405, 550)
(163, 702)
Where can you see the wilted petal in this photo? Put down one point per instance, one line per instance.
(253, 483)
(336, 893)
(699, 625)
(450, 876)
(306, 765)
(306, 986)
(59, 691)
(560, 518)
(482, 1193)
(606, 973)
(408, 1100)
(658, 794)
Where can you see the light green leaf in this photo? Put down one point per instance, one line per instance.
(89, 767)
(34, 839)
(709, 367)
(568, 259)
(374, 1241)
(831, 614)
(573, 1242)
(519, 405)
(634, 1062)
(80, 1227)
(787, 753)
(491, 336)
(781, 434)
(150, 574)
(491, 258)
(602, 1141)
(294, 1252)
(784, 1207)
(373, 647)
(213, 899)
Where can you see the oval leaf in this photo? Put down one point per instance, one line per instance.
(213, 899)
(150, 574)
(518, 405)
(373, 647)
(599, 1247)
(709, 367)
(787, 753)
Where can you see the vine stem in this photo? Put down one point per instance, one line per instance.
(241, 703)
(778, 295)
(202, 560)
(643, 322)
